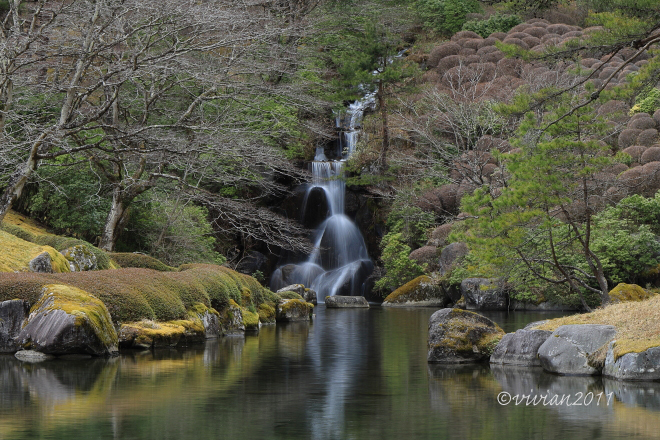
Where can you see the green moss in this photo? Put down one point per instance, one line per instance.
(290, 295)
(128, 259)
(628, 292)
(87, 309)
(266, 313)
(151, 334)
(299, 304)
(466, 332)
(17, 253)
(250, 320)
(422, 288)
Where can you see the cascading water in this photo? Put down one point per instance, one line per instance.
(339, 263)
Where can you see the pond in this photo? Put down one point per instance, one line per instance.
(351, 374)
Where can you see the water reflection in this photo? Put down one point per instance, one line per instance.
(349, 374)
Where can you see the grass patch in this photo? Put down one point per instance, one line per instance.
(637, 324)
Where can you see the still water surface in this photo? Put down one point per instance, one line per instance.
(351, 374)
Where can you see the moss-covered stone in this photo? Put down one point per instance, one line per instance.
(67, 320)
(461, 336)
(266, 313)
(16, 255)
(290, 310)
(231, 319)
(628, 292)
(80, 258)
(250, 320)
(289, 295)
(422, 291)
(150, 334)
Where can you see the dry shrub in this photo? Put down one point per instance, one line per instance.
(632, 179)
(518, 35)
(537, 32)
(488, 169)
(485, 71)
(559, 29)
(520, 27)
(635, 151)
(652, 178)
(641, 121)
(551, 38)
(465, 34)
(493, 57)
(588, 62)
(614, 110)
(606, 72)
(617, 168)
(628, 137)
(656, 117)
(466, 51)
(648, 137)
(498, 35)
(447, 195)
(517, 42)
(572, 34)
(540, 22)
(471, 43)
(426, 255)
(440, 235)
(431, 76)
(448, 62)
(431, 201)
(442, 51)
(651, 154)
(509, 67)
(592, 29)
(531, 41)
(486, 50)
(486, 42)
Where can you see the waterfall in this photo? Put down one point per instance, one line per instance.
(339, 263)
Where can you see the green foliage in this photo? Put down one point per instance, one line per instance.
(172, 231)
(445, 16)
(399, 269)
(647, 102)
(494, 23)
(411, 222)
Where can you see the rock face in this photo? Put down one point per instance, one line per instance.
(295, 288)
(80, 258)
(520, 348)
(41, 263)
(231, 319)
(483, 294)
(571, 349)
(291, 310)
(340, 302)
(420, 292)
(310, 296)
(633, 366)
(12, 315)
(458, 336)
(67, 320)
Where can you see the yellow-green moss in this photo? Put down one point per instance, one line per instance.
(148, 333)
(86, 308)
(300, 304)
(25, 223)
(17, 253)
(266, 312)
(465, 332)
(290, 295)
(628, 292)
(422, 288)
(250, 319)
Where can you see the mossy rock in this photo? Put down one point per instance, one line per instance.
(423, 291)
(129, 259)
(250, 320)
(266, 313)
(67, 320)
(18, 254)
(80, 258)
(460, 336)
(628, 292)
(149, 334)
(231, 319)
(289, 295)
(291, 310)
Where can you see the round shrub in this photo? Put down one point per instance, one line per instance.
(628, 137)
(651, 154)
(426, 255)
(467, 51)
(498, 35)
(559, 29)
(641, 121)
(492, 57)
(471, 43)
(588, 62)
(509, 67)
(485, 71)
(440, 235)
(465, 34)
(448, 62)
(617, 168)
(521, 27)
(518, 35)
(537, 32)
(531, 41)
(516, 41)
(551, 38)
(656, 117)
(442, 51)
(648, 137)
(447, 195)
(635, 151)
(486, 42)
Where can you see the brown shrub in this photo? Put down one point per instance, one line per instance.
(492, 57)
(520, 27)
(648, 137)
(447, 195)
(442, 51)
(628, 137)
(448, 62)
(635, 151)
(465, 34)
(486, 42)
(486, 71)
(518, 35)
(488, 169)
(431, 201)
(559, 29)
(641, 121)
(431, 76)
(531, 41)
(537, 32)
(651, 154)
(509, 67)
(440, 235)
(606, 72)
(517, 42)
(426, 255)
(632, 179)
(592, 29)
(540, 22)
(466, 51)
(651, 182)
(617, 168)
(551, 38)
(614, 110)
(572, 34)
(487, 49)
(498, 35)
(471, 43)
(656, 117)
(471, 59)
(588, 62)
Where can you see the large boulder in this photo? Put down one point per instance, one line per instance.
(345, 302)
(80, 258)
(291, 310)
(231, 319)
(576, 349)
(149, 334)
(295, 288)
(42, 263)
(67, 320)
(423, 291)
(12, 315)
(628, 292)
(520, 348)
(459, 336)
(484, 294)
(632, 366)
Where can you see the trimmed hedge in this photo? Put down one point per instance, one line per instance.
(142, 261)
(133, 294)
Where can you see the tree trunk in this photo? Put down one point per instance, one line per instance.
(114, 221)
(386, 129)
